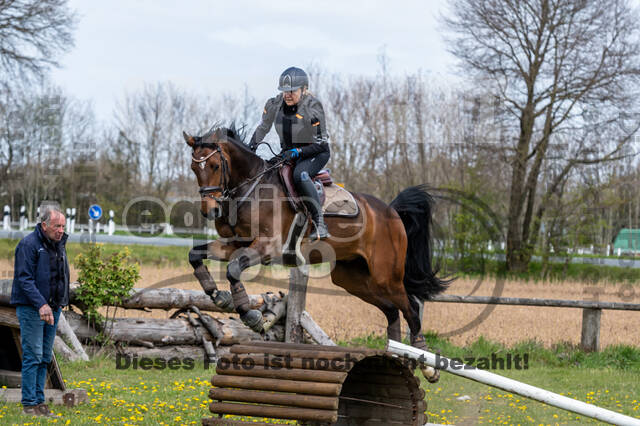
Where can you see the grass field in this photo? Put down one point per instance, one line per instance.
(610, 379)
(550, 336)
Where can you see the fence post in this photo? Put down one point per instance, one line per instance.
(6, 218)
(590, 339)
(298, 278)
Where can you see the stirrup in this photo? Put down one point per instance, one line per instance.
(320, 231)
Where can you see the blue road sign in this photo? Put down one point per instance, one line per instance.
(95, 212)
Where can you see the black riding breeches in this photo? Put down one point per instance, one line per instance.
(311, 166)
(304, 171)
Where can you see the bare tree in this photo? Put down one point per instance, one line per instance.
(41, 130)
(554, 64)
(32, 34)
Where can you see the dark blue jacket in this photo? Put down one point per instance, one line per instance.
(32, 271)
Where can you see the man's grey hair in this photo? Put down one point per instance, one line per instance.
(47, 210)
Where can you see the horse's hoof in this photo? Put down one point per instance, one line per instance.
(253, 320)
(431, 374)
(223, 300)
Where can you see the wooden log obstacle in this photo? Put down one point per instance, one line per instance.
(316, 385)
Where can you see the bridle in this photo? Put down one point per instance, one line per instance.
(223, 187)
(207, 191)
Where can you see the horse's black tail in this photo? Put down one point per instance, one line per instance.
(414, 207)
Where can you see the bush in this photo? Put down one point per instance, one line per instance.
(103, 281)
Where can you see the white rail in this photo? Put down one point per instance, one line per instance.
(514, 386)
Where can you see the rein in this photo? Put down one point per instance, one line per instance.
(223, 187)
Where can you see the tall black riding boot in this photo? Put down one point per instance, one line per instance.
(312, 201)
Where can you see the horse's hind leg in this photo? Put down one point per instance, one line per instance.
(415, 323)
(417, 338)
(393, 320)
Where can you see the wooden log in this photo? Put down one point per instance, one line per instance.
(279, 361)
(275, 309)
(63, 350)
(294, 413)
(288, 399)
(295, 353)
(276, 385)
(306, 346)
(298, 278)
(54, 375)
(65, 331)
(215, 421)
(283, 373)
(69, 397)
(521, 301)
(170, 331)
(209, 349)
(5, 292)
(314, 330)
(590, 338)
(208, 323)
(170, 298)
(8, 317)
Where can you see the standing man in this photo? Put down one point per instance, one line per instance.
(40, 289)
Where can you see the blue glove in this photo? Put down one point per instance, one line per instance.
(291, 154)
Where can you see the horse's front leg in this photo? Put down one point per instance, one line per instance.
(245, 258)
(215, 250)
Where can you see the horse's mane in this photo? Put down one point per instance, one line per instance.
(231, 134)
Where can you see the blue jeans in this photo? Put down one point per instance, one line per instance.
(37, 346)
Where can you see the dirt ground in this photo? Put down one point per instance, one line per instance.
(343, 316)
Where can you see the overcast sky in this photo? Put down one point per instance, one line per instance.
(216, 47)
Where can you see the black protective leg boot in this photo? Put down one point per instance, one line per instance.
(312, 201)
(320, 231)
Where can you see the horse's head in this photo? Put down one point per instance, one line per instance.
(220, 161)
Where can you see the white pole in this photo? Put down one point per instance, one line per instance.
(73, 220)
(168, 229)
(510, 385)
(6, 219)
(68, 217)
(112, 224)
(23, 218)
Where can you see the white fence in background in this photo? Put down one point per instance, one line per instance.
(109, 227)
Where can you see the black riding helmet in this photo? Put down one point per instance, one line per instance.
(292, 79)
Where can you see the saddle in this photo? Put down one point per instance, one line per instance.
(335, 201)
(286, 175)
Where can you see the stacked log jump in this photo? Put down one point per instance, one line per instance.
(316, 385)
(190, 331)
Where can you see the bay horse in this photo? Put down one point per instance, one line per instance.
(383, 255)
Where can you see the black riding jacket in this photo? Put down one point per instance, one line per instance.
(299, 126)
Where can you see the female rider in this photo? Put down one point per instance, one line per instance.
(300, 124)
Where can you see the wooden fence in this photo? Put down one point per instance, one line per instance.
(591, 311)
